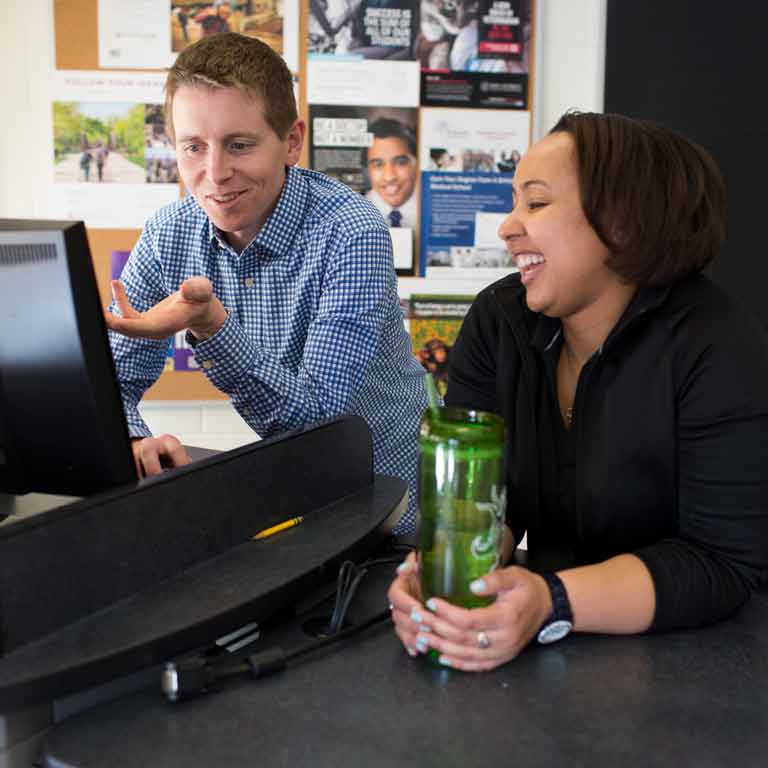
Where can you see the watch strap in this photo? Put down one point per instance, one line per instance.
(560, 622)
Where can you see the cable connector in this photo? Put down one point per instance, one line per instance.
(187, 678)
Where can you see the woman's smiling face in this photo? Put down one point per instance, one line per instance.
(561, 259)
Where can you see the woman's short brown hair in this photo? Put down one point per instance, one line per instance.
(655, 199)
(230, 60)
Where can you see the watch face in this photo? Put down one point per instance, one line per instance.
(555, 631)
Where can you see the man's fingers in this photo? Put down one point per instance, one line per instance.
(154, 454)
(175, 452)
(121, 299)
(198, 289)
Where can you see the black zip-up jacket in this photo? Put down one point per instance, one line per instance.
(671, 440)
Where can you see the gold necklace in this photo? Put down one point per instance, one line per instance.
(569, 416)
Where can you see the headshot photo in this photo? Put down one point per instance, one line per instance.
(373, 150)
(393, 172)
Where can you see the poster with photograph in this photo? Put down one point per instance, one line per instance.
(368, 29)
(434, 324)
(109, 143)
(362, 52)
(374, 151)
(149, 34)
(457, 225)
(467, 141)
(274, 22)
(474, 53)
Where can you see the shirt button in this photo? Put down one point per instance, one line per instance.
(207, 364)
(249, 281)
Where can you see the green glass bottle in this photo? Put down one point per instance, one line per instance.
(462, 499)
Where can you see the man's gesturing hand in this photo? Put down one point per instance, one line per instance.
(193, 306)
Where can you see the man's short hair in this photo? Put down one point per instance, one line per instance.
(230, 60)
(389, 128)
(654, 198)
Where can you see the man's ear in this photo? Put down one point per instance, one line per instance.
(295, 139)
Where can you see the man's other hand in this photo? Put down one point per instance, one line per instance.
(154, 454)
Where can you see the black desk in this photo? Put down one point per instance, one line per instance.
(697, 698)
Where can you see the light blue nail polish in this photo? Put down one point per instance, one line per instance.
(431, 604)
(403, 567)
(478, 585)
(424, 628)
(422, 645)
(446, 662)
(415, 616)
(411, 652)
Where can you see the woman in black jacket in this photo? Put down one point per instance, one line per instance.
(635, 394)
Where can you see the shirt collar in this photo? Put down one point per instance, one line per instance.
(280, 229)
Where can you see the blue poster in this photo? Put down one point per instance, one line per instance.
(450, 206)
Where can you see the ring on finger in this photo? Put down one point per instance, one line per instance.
(482, 641)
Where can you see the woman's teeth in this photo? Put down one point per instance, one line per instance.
(524, 260)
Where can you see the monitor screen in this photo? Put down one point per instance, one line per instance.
(62, 425)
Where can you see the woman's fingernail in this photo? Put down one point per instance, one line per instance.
(404, 567)
(424, 628)
(478, 585)
(445, 661)
(415, 616)
(411, 651)
(422, 646)
(431, 604)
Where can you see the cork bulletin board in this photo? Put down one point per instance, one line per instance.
(466, 111)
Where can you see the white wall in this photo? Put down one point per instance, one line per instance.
(569, 60)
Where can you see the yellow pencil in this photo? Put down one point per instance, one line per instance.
(279, 527)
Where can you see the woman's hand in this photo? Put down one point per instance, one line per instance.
(472, 639)
(405, 601)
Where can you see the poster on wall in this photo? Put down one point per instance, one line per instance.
(373, 150)
(467, 159)
(369, 29)
(469, 140)
(461, 215)
(113, 164)
(151, 33)
(434, 324)
(474, 53)
(362, 52)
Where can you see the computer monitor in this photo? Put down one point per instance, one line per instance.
(62, 425)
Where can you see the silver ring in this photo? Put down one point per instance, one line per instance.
(482, 641)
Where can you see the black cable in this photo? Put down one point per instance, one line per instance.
(190, 677)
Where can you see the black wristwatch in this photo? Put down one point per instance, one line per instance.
(560, 622)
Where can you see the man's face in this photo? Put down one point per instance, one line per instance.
(392, 170)
(230, 159)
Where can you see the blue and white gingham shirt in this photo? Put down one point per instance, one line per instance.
(315, 328)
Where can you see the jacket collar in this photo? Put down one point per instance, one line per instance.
(541, 330)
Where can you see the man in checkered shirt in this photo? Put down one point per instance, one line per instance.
(282, 277)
